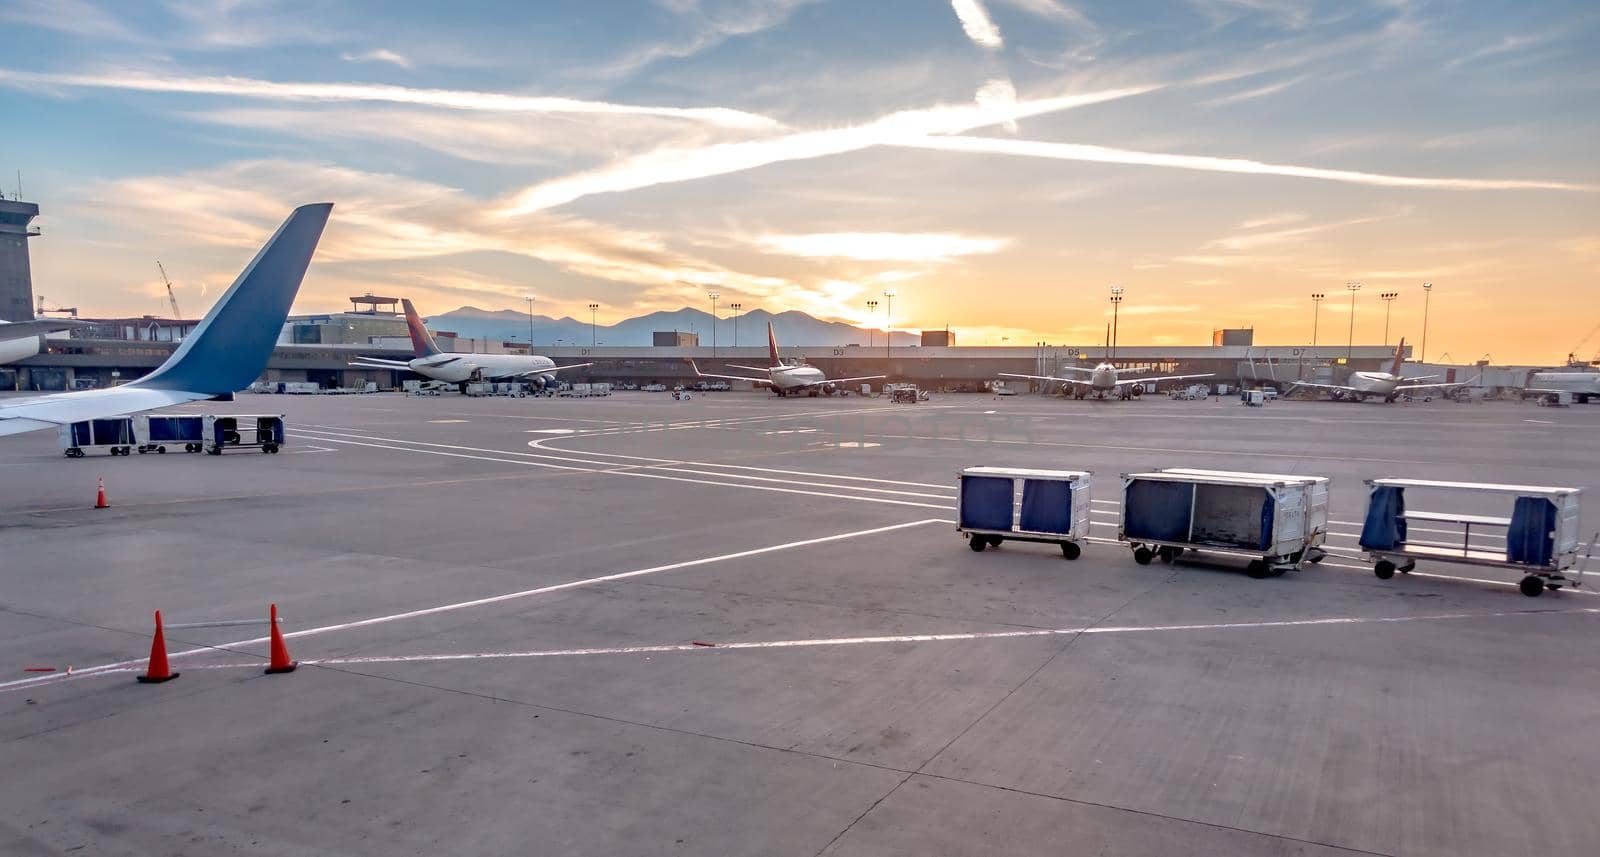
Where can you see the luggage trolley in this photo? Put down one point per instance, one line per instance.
(156, 432)
(1540, 536)
(115, 436)
(1278, 521)
(1054, 507)
(243, 431)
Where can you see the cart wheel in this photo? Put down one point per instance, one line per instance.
(1408, 567)
(1168, 554)
(977, 542)
(1142, 555)
(1070, 550)
(1258, 569)
(1531, 586)
(215, 450)
(995, 540)
(1384, 569)
(1316, 556)
(161, 450)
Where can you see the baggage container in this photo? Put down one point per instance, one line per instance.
(1276, 521)
(113, 436)
(156, 432)
(1539, 539)
(1024, 504)
(243, 431)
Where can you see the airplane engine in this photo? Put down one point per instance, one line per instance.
(1136, 390)
(17, 349)
(546, 383)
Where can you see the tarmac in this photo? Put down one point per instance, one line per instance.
(746, 625)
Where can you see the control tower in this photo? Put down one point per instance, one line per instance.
(16, 277)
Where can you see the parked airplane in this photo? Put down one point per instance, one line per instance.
(1384, 385)
(225, 352)
(20, 340)
(1582, 385)
(458, 369)
(793, 377)
(1103, 380)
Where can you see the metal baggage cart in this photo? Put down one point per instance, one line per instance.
(1276, 521)
(243, 431)
(156, 432)
(113, 436)
(1539, 539)
(1024, 504)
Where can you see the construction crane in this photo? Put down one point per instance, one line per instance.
(1572, 355)
(171, 298)
(70, 310)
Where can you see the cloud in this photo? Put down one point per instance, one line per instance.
(668, 165)
(713, 25)
(882, 246)
(453, 99)
(1251, 94)
(977, 24)
(75, 17)
(1252, 240)
(378, 55)
(1108, 155)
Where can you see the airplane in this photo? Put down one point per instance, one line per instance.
(226, 352)
(1582, 385)
(1104, 380)
(787, 378)
(20, 340)
(430, 362)
(1385, 385)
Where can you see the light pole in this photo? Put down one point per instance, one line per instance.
(872, 307)
(736, 308)
(1388, 304)
(529, 299)
(713, 296)
(1350, 346)
(888, 324)
(1116, 306)
(1427, 292)
(1316, 318)
(594, 331)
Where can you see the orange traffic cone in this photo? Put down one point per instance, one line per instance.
(158, 671)
(100, 495)
(280, 652)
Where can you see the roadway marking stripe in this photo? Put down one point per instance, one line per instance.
(664, 648)
(479, 602)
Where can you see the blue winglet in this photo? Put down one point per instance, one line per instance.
(231, 346)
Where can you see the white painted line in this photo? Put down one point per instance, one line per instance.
(449, 421)
(662, 648)
(551, 431)
(479, 602)
(1541, 422)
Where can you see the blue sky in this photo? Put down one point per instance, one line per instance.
(998, 163)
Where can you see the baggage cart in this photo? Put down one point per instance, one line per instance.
(1538, 540)
(243, 431)
(113, 436)
(1275, 521)
(156, 432)
(1024, 504)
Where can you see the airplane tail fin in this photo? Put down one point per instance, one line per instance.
(1399, 355)
(421, 340)
(232, 343)
(772, 346)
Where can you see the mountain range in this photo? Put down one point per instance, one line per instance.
(791, 328)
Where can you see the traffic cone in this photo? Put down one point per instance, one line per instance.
(280, 652)
(100, 495)
(158, 671)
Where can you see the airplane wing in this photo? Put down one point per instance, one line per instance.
(1323, 386)
(399, 366)
(226, 351)
(1121, 381)
(857, 378)
(370, 362)
(1077, 381)
(700, 374)
(751, 368)
(1436, 386)
(25, 329)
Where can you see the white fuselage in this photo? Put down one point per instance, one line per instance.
(796, 377)
(1579, 383)
(1373, 383)
(12, 350)
(466, 367)
(1103, 378)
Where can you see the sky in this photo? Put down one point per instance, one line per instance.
(998, 164)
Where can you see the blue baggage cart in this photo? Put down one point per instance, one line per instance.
(1024, 504)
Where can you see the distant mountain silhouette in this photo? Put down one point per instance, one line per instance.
(793, 328)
